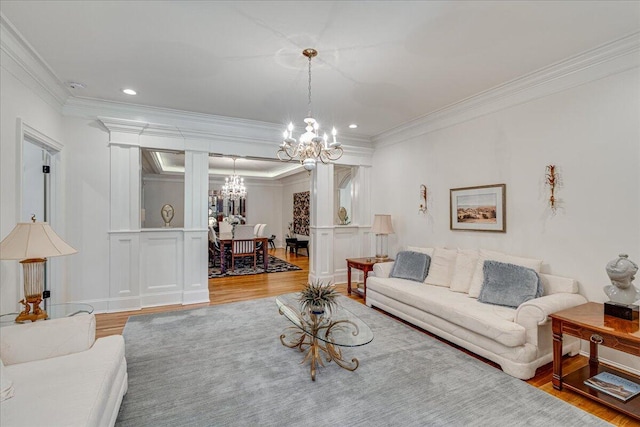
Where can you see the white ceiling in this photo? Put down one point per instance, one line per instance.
(380, 64)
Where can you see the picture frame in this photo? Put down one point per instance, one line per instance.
(480, 208)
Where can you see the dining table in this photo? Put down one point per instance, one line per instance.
(226, 240)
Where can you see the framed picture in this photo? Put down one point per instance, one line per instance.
(481, 208)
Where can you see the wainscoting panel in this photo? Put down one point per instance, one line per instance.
(162, 262)
(321, 253)
(346, 241)
(196, 259)
(124, 277)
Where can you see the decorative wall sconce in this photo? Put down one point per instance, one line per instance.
(551, 179)
(423, 199)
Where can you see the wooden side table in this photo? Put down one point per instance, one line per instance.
(588, 322)
(365, 265)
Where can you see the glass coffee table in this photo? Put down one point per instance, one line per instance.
(54, 311)
(321, 336)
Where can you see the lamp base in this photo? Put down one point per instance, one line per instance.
(27, 314)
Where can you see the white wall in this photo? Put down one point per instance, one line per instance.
(19, 101)
(87, 209)
(264, 204)
(294, 184)
(591, 132)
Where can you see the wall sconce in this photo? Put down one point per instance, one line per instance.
(423, 199)
(551, 179)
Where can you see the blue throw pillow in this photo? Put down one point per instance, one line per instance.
(411, 265)
(508, 284)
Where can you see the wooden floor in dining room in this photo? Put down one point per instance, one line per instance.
(242, 288)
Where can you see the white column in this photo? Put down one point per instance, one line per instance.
(196, 259)
(124, 235)
(321, 226)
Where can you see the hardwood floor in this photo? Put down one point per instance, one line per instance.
(242, 288)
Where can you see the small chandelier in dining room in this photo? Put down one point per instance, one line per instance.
(310, 147)
(233, 187)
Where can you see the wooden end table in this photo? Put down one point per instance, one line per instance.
(588, 322)
(365, 265)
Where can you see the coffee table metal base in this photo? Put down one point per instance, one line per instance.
(317, 349)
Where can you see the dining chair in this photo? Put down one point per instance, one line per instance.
(225, 227)
(243, 232)
(242, 248)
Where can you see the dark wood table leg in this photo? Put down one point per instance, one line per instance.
(364, 285)
(594, 341)
(349, 278)
(557, 354)
(265, 256)
(222, 259)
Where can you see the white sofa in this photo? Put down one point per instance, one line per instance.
(518, 339)
(56, 373)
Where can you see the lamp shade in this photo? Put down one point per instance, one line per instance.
(33, 240)
(382, 224)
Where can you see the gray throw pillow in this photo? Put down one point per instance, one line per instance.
(411, 265)
(508, 284)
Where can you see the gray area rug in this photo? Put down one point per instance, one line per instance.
(224, 365)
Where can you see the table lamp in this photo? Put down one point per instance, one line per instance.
(32, 242)
(382, 227)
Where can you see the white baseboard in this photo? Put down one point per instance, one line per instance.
(613, 364)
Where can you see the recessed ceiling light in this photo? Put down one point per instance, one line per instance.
(129, 91)
(353, 126)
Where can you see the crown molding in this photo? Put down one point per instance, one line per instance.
(608, 59)
(22, 61)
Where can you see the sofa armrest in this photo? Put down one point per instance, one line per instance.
(45, 339)
(538, 310)
(382, 269)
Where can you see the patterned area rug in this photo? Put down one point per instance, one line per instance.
(244, 266)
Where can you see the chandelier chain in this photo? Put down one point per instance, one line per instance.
(310, 88)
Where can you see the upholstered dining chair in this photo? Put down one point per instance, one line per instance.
(225, 227)
(214, 245)
(243, 244)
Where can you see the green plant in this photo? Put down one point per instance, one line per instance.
(317, 294)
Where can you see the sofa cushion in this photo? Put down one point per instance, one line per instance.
(478, 274)
(428, 251)
(411, 265)
(508, 284)
(463, 270)
(441, 267)
(6, 384)
(492, 321)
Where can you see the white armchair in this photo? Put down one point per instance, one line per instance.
(61, 375)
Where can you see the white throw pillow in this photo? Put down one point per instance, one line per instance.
(478, 275)
(6, 384)
(463, 270)
(428, 251)
(441, 268)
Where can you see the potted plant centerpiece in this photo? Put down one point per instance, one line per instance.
(317, 297)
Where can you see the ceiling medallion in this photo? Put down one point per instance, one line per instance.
(233, 188)
(310, 147)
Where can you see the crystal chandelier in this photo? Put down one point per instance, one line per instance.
(310, 147)
(233, 187)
